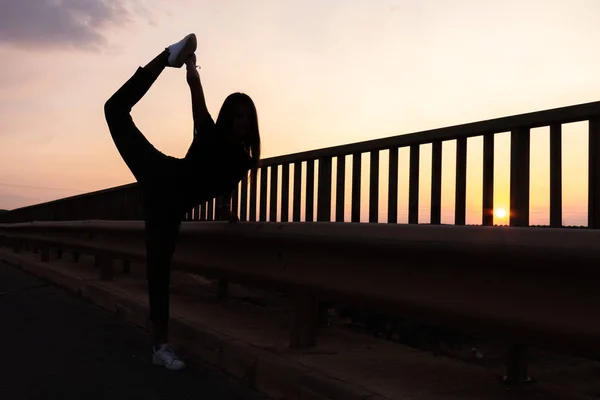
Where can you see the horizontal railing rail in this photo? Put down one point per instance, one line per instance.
(288, 187)
(528, 286)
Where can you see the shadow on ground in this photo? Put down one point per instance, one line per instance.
(58, 346)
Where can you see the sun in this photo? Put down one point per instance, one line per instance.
(500, 213)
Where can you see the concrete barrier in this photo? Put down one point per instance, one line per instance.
(525, 285)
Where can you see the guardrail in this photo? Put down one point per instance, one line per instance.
(260, 200)
(525, 285)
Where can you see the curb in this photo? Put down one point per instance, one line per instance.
(268, 373)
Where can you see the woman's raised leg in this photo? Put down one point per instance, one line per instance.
(137, 152)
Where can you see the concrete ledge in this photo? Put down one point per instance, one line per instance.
(251, 347)
(268, 373)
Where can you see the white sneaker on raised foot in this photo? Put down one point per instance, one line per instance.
(180, 51)
(165, 356)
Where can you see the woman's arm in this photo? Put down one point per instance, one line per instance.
(199, 109)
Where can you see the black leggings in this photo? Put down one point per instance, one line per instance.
(151, 169)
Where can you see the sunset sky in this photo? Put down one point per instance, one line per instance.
(321, 73)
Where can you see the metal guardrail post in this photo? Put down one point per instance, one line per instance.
(126, 267)
(516, 366)
(106, 265)
(223, 289)
(303, 326)
(45, 254)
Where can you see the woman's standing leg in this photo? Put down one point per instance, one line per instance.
(162, 229)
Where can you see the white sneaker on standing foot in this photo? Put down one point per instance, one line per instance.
(166, 357)
(180, 51)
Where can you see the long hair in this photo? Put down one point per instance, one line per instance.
(224, 124)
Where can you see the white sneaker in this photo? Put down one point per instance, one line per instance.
(180, 51)
(165, 356)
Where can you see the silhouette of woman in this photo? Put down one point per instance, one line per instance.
(220, 156)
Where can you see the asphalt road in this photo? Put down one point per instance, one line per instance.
(54, 345)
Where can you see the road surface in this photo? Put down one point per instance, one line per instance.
(54, 345)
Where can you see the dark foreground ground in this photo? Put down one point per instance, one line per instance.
(54, 345)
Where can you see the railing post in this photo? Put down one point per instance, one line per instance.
(556, 176)
(262, 216)
(374, 187)
(516, 366)
(297, 192)
(356, 183)
(203, 211)
(234, 201)
(253, 196)
(324, 190)
(594, 174)
(436, 183)
(45, 253)
(106, 265)
(303, 327)
(210, 216)
(285, 192)
(340, 190)
(519, 177)
(273, 193)
(488, 180)
(126, 267)
(413, 185)
(219, 204)
(310, 191)
(222, 289)
(393, 186)
(460, 208)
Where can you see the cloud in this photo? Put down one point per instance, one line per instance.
(79, 24)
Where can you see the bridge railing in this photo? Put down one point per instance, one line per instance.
(280, 186)
(524, 285)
